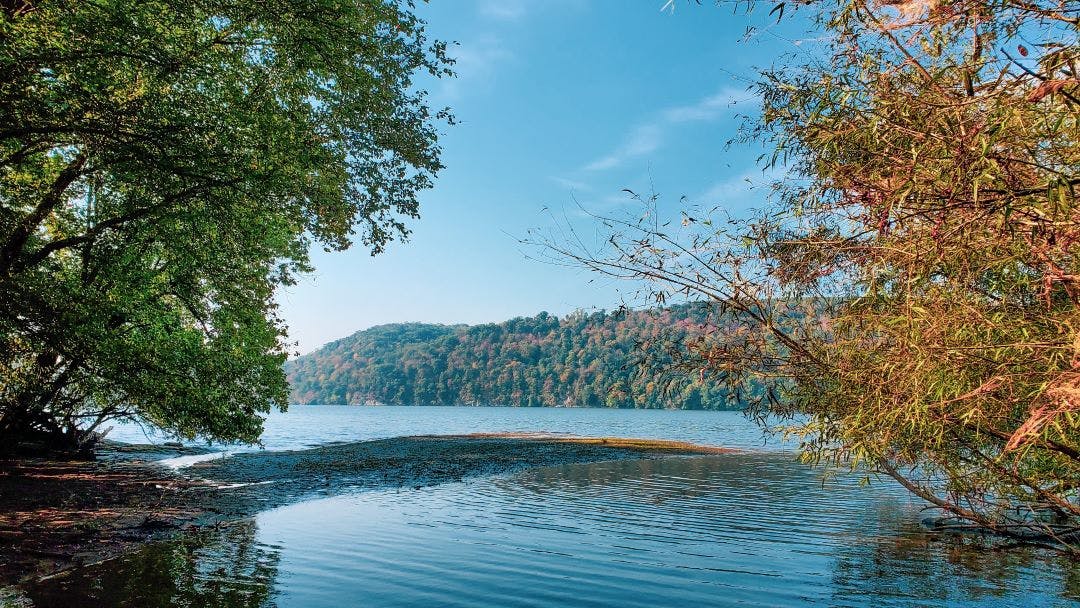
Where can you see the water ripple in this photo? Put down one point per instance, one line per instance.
(726, 530)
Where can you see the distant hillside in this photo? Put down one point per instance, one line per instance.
(581, 360)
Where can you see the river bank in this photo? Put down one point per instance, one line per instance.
(55, 515)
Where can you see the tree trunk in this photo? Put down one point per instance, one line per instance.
(14, 243)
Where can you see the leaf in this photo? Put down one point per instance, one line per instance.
(779, 8)
(1049, 87)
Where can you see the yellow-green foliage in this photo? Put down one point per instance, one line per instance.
(912, 298)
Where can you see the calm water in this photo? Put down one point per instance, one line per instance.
(732, 530)
(312, 425)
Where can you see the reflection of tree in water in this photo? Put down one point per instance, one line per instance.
(219, 568)
(896, 559)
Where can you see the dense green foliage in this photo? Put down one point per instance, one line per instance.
(164, 167)
(582, 360)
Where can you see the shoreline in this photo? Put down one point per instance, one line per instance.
(56, 515)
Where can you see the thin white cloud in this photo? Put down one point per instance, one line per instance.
(643, 140)
(503, 10)
(592, 207)
(709, 108)
(475, 64)
(738, 188)
(571, 184)
(648, 137)
(512, 11)
(616, 201)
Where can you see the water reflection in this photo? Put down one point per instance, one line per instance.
(748, 530)
(897, 559)
(220, 568)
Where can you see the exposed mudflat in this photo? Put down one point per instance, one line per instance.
(58, 514)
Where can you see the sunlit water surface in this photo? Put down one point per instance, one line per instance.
(753, 529)
(306, 426)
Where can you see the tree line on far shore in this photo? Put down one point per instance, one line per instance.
(617, 360)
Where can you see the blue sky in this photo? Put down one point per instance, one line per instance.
(560, 103)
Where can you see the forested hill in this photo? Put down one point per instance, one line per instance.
(581, 360)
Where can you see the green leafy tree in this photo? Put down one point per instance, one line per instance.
(911, 300)
(164, 168)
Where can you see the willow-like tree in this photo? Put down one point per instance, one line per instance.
(910, 299)
(164, 167)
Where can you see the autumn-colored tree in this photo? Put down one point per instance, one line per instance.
(910, 300)
(581, 360)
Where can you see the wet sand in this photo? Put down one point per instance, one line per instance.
(55, 515)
